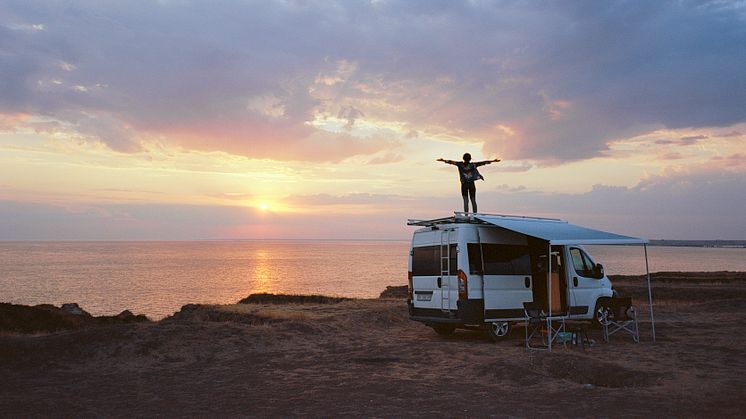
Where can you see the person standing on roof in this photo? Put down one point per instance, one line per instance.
(468, 174)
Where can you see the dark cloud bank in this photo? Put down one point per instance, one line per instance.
(568, 76)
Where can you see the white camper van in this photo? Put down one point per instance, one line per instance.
(476, 271)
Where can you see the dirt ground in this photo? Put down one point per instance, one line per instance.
(365, 358)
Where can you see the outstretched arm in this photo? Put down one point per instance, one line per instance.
(446, 161)
(482, 163)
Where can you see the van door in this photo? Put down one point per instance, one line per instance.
(507, 280)
(448, 282)
(434, 273)
(551, 287)
(583, 284)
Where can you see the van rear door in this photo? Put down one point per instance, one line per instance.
(434, 268)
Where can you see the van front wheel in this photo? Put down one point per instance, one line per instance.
(601, 313)
(498, 331)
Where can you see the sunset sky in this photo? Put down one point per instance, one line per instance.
(126, 120)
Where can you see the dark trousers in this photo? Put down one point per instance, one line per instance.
(469, 190)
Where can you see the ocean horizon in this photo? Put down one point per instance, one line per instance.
(156, 278)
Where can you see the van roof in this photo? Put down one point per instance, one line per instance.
(553, 230)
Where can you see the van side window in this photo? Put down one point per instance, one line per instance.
(501, 259)
(426, 260)
(581, 262)
(475, 258)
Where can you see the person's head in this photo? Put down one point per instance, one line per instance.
(467, 157)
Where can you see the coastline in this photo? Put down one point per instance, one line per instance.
(362, 357)
(736, 244)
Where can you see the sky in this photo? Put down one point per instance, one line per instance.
(179, 120)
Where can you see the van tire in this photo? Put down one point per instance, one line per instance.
(602, 306)
(443, 329)
(498, 331)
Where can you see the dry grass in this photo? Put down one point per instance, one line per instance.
(267, 298)
(280, 313)
(671, 303)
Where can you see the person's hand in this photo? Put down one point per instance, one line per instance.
(496, 160)
(440, 159)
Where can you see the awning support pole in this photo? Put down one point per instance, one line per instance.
(650, 292)
(549, 287)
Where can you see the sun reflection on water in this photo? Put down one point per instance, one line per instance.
(261, 276)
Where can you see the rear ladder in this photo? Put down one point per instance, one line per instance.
(445, 271)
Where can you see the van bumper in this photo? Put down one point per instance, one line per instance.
(468, 312)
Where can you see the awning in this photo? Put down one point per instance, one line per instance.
(557, 231)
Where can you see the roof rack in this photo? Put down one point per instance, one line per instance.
(472, 218)
(445, 220)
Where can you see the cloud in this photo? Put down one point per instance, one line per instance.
(733, 161)
(509, 188)
(8, 122)
(386, 158)
(730, 134)
(671, 156)
(38, 221)
(513, 168)
(666, 142)
(692, 139)
(355, 199)
(657, 211)
(110, 131)
(350, 114)
(547, 82)
(261, 141)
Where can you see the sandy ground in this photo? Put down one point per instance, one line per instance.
(365, 358)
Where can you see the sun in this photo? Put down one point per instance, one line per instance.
(268, 206)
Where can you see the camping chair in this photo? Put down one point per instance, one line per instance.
(539, 325)
(621, 316)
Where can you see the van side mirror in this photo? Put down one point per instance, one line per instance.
(598, 271)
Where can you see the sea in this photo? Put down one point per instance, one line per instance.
(157, 278)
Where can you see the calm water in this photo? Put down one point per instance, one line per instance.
(157, 278)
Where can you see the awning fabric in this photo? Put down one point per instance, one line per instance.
(557, 231)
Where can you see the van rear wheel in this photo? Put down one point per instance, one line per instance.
(498, 331)
(443, 329)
